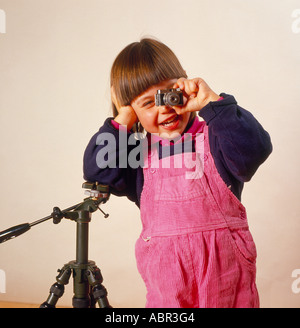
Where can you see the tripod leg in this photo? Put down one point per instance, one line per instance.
(99, 292)
(58, 288)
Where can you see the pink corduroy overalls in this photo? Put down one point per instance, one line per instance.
(195, 249)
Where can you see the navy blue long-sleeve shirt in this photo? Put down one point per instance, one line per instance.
(238, 144)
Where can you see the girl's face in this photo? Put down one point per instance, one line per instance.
(161, 120)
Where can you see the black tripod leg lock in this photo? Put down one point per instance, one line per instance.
(99, 292)
(56, 291)
(58, 288)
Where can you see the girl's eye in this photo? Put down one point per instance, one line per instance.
(150, 102)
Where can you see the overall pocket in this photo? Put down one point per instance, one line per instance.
(243, 245)
(178, 188)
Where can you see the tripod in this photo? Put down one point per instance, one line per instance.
(87, 278)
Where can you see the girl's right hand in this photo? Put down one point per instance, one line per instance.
(198, 93)
(126, 114)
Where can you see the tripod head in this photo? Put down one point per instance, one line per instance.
(98, 194)
(96, 190)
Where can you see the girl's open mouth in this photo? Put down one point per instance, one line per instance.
(171, 124)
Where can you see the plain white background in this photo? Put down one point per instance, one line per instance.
(55, 59)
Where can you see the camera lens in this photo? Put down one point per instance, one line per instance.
(172, 99)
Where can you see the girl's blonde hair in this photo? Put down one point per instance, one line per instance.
(141, 65)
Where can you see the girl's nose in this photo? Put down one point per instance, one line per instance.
(165, 109)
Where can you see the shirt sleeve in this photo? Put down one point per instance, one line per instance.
(105, 161)
(238, 142)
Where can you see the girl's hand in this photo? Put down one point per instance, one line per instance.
(126, 114)
(197, 94)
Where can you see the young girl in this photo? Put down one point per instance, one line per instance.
(195, 248)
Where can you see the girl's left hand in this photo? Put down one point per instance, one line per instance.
(197, 94)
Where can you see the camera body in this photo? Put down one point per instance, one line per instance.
(169, 97)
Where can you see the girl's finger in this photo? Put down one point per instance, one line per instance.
(179, 83)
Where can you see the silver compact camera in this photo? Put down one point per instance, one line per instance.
(169, 97)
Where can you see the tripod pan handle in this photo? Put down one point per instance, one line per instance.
(14, 232)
